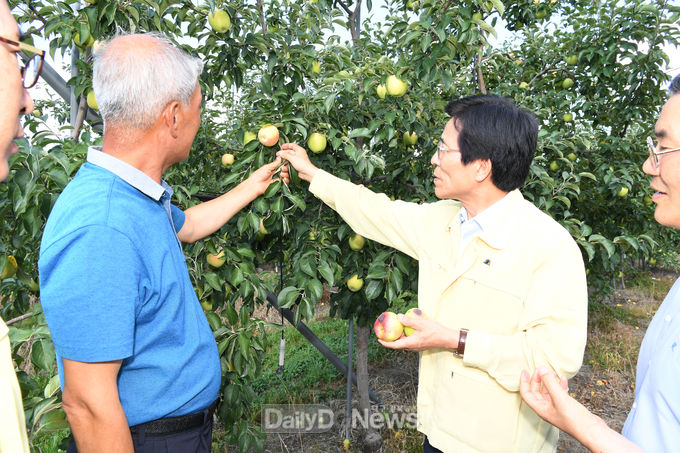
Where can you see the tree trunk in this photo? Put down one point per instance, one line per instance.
(372, 439)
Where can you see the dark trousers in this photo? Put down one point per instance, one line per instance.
(427, 448)
(195, 440)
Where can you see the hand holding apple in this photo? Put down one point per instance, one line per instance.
(427, 334)
(263, 176)
(298, 158)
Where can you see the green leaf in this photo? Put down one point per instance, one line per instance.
(213, 280)
(42, 355)
(373, 289)
(314, 291)
(604, 242)
(288, 296)
(272, 189)
(326, 272)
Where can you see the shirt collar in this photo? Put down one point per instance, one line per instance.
(133, 176)
(494, 222)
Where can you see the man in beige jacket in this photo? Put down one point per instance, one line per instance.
(503, 283)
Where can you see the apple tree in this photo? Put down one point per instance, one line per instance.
(592, 72)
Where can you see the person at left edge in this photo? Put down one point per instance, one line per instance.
(17, 77)
(137, 361)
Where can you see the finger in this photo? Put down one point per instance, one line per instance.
(551, 383)
(292, 146)
(564, 383)
(524, 384)
(409, 321)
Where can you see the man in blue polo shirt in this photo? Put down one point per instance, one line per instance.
(137, 360)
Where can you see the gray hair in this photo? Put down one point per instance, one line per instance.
(674, 88)
(132, 88)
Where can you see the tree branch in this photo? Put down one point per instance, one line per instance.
(19, 318)
(345, 7)
(263, 21)
(480, 76)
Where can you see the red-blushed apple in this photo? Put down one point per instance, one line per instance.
(216, 260)
(413, 313)
(268, 135)
(387, 327)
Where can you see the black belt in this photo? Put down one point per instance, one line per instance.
(173, 425)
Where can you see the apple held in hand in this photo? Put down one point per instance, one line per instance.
(387, 327)
(413, 313)
(268, 135)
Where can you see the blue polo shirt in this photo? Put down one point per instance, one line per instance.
(114, 285)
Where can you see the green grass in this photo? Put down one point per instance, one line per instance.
(308, 377)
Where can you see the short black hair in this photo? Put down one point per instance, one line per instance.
(675, 86)
(494, 128)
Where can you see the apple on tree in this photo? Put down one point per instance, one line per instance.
(356, 242)
(355, 283)
(316, 67)
(219, 20)
(227, 160)
(268, 135)
(623, 191)
(568, 117)
(216, 260)
(410, 139)
(248, 137)
(92, 100)
(567, 83)
(316, 142)
(381, 91)
(395, 86)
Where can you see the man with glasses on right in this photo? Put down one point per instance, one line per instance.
(653, 424)
(15, 101)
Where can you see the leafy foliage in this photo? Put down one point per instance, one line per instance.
(282, 62)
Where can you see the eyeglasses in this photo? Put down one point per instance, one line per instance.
(30, 70)
(654, 154)
(443, 149)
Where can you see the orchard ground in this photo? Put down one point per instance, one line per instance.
(605, 383)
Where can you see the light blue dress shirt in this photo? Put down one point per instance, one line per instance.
(654, 420)
(471, 228)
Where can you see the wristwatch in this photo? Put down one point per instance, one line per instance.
(462, 338)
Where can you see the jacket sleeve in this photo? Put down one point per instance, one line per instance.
(396, 224)
(552, 329)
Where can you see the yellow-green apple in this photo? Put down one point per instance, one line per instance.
(316, 142)
(248, 137)
(554, 165)
(356, 242)
(219, 20)
(262, 230)
(648, 200)
(381, 90)
(571, 60)
(572, 157)
(568, 117)
(92, 100)
(567, 83)
(413, 313)
(623, 191)
(207, 305)
(652, 261)
(268, 135)
(355, 283)
(387, 327)
(395, 86)
(88, 42)
(477, 16)
(410, 139)
(10, 268)
(216, 260)
(316, 67)
(523, 85)
(227, 160)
